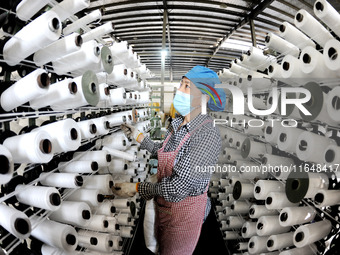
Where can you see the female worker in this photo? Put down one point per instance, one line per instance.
(191, 144)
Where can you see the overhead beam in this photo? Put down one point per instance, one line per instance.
(252, 15)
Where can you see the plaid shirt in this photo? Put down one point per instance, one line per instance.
(200, 150)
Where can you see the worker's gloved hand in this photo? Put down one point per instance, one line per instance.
(124, 189)
(130, 131)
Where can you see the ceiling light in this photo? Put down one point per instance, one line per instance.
(236, 44)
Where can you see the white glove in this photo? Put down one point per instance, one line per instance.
(125, 189)
(130, 131)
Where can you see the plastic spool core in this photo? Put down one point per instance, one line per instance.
(110, 184)
(283, 137)
(5, 164)
(72, 87)
(21, 226)
(251, 211)
(299, 236)
(124, 143)
(108, 158)
(269, 129)
(109, 59)
(295, 184)
(319, 198)
(96, 51)
(244, 230)
(113, 209)
(100, 198)
(251, 245)
(336, 103)
(332, 53)
(259, 226)
(93, 128)
(306, 58)
(267, 39)
(45, 146)
(93, 241)
(319, 6)
(299, 17)
(125, 71)
(43, 80)
(240, 80)
(79, 181)
(110, 243)
(71, 239)
(282, 28)
(54, 25)
(284, 217)
(73, 134)
(94, 165)
(269, 200)
(55, 199)
(79, 40)
(93, 88)
(330, 156)
(285, 66)
(86, 214)
(257, 189)
(228, 222)
(105, 223)
(303, 145)
(270, 243)
(232, 207)
(271, 69)
(107, 125)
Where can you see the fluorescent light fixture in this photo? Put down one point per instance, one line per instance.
(164, 53)
(236, 44)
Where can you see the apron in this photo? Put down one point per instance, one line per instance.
(178, 224)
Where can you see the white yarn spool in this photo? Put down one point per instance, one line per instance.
(57, 49)
(104, 95)
(250, 170)
(50, 250)
(295, 36)
(290, 216)
(243, 190)
(98, 223)
(57, 93)
(230, 235)
(123, 219)
(281, 45)
(234, 179)
(310, 233)
(26, 8)
(326, 198)
(67, 8)
(80, 216)
(277, 165)
(87, 128)
(235, 68)
(105, 242)
(269, 225)
(277, 242)
(92, 16)
(120, 49)
(313, 28)
(102, 157)
(331, 54)
(55, 234)
(291, 70)
(120, 154)
(223, 225)
(121, 202)
(42, 197)
(90, 196)
(118, 165)
(15, 222)
(275, 71)
(126, 231)
(262, 188)
(65, 135)
(100, 182)
(34, 36)
(257, 244)
(278, 200)
(80, 166)
(99, 31)
(87, 55)
(328, 14)
(119, 74)
(287, 138)
(256, 211)
(34, 147)
(232, 154)
(106, 208)
(309, 145)
(86, 241)
(240, 207)
(7, 165)
(113, 226)
(307, 250)
(248, 229)
(333, 104)
(251, 148)
(62, 180)
(332, 154)
(116, 141)
(102, 124)
(313, 64)
(31, 86)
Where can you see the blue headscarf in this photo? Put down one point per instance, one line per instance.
(205, 80)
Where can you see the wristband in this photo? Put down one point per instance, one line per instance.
(137, 184)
